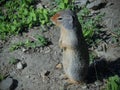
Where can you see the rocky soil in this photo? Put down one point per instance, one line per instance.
(41, 69)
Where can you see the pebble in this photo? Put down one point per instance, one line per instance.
(44, 75)
(81, 2)
(24, 50)
(96, 4)
(47, 73)
(6, 84)
(94, 12)
(47, 50)
(19, 65)
(28, 76)
(12, 73)
(59, 66)
(98, 83)
(84, 87)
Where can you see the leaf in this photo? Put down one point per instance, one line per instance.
(25, 12)
(13, 28)
(61, 5)
(65, 1)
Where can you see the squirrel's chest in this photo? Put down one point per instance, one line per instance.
(69, 37)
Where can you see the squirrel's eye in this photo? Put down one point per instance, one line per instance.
(59, 18)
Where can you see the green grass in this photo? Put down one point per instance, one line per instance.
(12, 60)
(113, 83)
(64, 4)
(89, 24)
(38, 41)
(18, 15)
(115, 35)
(1, 77)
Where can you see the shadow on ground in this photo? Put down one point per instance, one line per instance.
(101, 69)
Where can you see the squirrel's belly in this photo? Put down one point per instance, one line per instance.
(72, 65)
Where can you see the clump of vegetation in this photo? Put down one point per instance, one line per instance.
(18, 15)
(38, 41)
(89, 24)
(116, 36)
(64, 4)
(1, 77)
(113, 83)
(13, 60)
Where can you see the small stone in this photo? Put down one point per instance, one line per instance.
(19, 65)
(47, 73)
(39, 5)
(12, 73)
(6, 84)
(47, 49)
(97, 4)
(84, 86)
(81, 2)
(24, 50)
(59, 66)
(98, 83)
(94, 12)
(28, 76)
(109, 4)
(44, 75)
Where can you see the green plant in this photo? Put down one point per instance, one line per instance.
(18, 15)
(89, 24)
(1, 77)
(115, 35)
(38, 41)
(13, 61)
(113, 83)
(41, 41)
(64, 4)
(16, 46)
(91, 57)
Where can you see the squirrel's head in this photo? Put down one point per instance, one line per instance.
(63, 19)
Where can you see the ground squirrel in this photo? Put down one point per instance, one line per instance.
(75, 52)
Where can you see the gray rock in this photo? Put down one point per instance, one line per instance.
(84, 87)
(97, 4)
(19, 65)
(98, 83)
(6, 84)
(81, 2)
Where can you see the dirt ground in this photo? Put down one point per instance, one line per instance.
(40, 72)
